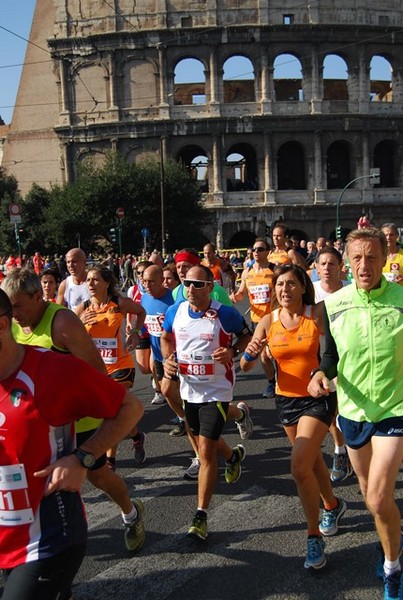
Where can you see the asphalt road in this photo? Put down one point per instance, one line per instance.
(256, 544)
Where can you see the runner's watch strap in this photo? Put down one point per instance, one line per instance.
(87, 459)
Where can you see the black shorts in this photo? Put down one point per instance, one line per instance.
(206, 418)
(45, 579)
(359, 433)
(144, 344)
(159, 369)
(123, 375)
(290, 410)
(82, 437)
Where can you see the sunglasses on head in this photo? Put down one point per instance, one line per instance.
(259, 249)
(196, 284)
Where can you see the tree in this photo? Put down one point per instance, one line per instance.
(87, 208)
(9, 193)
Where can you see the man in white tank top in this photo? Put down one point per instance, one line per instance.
(73, 290)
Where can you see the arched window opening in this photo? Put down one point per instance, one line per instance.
(241, 169)
(338, 165)
(385, 161)
(291, 167)
(335, 76)
(196, 161)
(238, 80)
(189, 82)
(288, 78)
(380, 80)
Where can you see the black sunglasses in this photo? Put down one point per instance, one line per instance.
(140, 272)
(259, 249)
(196, 284)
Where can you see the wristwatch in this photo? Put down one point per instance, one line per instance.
(87, 459)
(313, 372)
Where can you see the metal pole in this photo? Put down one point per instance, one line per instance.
(162, 175)
(17, 239)
(372, 176)
(120, 237)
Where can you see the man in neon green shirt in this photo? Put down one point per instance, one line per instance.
(364, 348)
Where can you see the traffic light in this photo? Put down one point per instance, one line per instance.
(338, 232)
(113, 233)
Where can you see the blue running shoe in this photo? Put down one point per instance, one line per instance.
(329, 524)
(393, 586)
(315, 555)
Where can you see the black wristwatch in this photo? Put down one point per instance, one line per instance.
(87, 459)
(313, 372)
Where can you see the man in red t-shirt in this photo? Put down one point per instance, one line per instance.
(42, 522)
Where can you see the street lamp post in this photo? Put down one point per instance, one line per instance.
(375, 175)
(162, 196)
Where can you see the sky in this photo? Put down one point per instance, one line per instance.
(16, 17)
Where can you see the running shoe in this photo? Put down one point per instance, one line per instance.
(198, 528)
(178, 430)
(193, 471)
(134, 532)
(393, 586)
(233, 468)
(245, 426)
(329, 524)
(315, 555)
(158, 398)
(270, 391)
(138, 448)
(341, 468)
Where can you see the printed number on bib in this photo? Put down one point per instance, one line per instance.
(260, 294)
(198, 370)
(15, 508)
(108, 349)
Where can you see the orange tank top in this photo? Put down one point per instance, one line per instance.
(296, 352)
(108, 334)
(215, 269)
(279, 258)
(259, 286)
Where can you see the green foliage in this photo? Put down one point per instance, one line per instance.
(8, 194)
(86, 210)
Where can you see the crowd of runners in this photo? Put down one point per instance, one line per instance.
(325, 321)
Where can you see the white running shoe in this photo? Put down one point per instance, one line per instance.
(158, 398)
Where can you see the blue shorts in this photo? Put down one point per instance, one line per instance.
(359, 433)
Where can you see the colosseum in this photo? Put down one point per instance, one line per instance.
(268, 129)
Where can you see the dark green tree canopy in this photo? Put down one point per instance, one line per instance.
(85, 210)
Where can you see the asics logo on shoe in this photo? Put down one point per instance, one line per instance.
(394, 430)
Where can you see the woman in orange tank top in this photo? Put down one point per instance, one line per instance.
(104, 317)
(290, 334)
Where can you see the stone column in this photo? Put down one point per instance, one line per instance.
(163, 84)
(64, 118)
(216, 170)
(364, 78)
(265, 100)
(113, 107)
(213, 72)
(316, 87)
(269, 193)
(318, 169)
